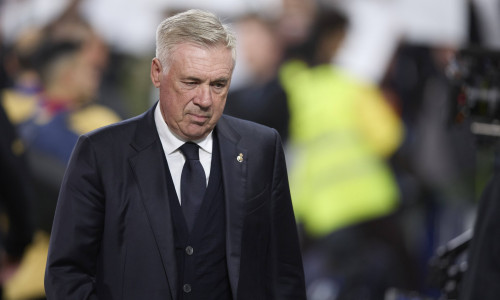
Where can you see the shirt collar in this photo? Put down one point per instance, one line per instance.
(170, 141)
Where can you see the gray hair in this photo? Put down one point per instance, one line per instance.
(193, 26)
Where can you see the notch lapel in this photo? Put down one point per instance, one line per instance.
(148, 165)
(234, 176)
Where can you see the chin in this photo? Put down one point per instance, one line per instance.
(194, 135)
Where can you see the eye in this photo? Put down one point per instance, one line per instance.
(190, 83)
(219, 84)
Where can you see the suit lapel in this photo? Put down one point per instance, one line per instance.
(150, 174)
(234, 178)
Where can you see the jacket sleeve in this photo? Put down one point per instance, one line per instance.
(288, 273)
(77, 228)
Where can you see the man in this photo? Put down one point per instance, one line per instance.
(127, 225)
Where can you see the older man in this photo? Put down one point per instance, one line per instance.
(181, 202)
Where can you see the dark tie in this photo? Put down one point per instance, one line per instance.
(193, 183)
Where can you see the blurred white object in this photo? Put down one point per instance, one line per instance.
(16, 16)
(128, 26)
(378, 26)
(372, 38)
(229, 8)
(488, 17)
(434, 23)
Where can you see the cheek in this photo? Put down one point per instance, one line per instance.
(173, 103)
(219, 107)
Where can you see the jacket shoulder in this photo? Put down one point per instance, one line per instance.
(121, 127)
(116, 135)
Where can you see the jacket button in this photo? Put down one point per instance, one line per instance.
(189, 250)
(186, 288)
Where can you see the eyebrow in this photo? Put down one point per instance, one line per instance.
(191, 78)
(220, 79)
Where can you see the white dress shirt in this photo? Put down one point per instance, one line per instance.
(175, 159)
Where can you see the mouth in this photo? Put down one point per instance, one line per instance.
(198, 118)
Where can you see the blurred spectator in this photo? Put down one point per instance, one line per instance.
(261, 99)
(22, 83)
(16, 192)
(19, 64)
(265, 40)
(69, 59)
(295, 22)
(16, 197)
(342, 131)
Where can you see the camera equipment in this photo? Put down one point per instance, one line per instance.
(446, 267)
(474, 77)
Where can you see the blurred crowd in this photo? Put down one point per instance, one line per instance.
(382, 171)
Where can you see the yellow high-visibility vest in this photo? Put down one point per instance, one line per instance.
(341, 132)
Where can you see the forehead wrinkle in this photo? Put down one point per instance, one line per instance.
(200, 71)
(207, 64)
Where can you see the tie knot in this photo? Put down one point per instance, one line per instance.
(190, 151)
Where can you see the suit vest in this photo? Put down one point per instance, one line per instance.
(201, 254)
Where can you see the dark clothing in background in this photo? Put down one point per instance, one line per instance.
(482, 277)
(264, 104)
(15, 190)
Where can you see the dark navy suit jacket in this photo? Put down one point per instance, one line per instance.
(112, 235)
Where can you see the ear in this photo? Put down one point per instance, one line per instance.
(156, 72)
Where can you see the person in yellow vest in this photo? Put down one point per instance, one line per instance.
(342, 131)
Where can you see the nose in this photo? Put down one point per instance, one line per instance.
(204, 97)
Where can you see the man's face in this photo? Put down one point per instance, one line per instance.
(194, 88)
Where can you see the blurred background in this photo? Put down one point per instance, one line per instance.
(388, 111)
